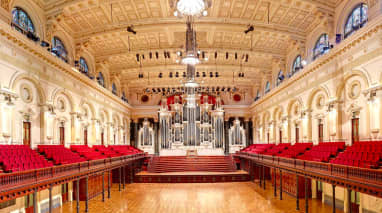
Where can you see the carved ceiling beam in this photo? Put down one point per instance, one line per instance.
(204, 25)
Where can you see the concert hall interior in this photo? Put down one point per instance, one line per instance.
(191, 106)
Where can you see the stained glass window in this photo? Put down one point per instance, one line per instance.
(296, 64)
(22, 20)
(100, 79)
(124, 97)
(114, 89)
(267, 87)
(356, 19)
(84, 66)
(58, 49)
(322, 46)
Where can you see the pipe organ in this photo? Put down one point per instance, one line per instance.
(237, 134)
(192, 122)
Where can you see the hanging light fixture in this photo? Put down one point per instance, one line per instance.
(191, 7)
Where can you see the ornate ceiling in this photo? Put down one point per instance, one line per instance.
(100, 26)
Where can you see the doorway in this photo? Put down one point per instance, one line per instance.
(281, 136)
(102, 140)
(297, 134)
(62, 135)
(29, 203)
(86, 136)
(319, 189)
(65, 192)
(354, 130)
(27, 133)
(355, 202)
(320, 132)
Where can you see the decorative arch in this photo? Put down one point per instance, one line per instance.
(35, 82)
(91, 107)
(341, 86)
(33, 12)
(313, 94)
(293, 102)
(276, 111)
(67, 42)
(344, 14)
(60, 91)
(266, 116)
(117, 119)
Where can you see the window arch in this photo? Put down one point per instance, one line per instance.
(267, 87)
(22, 21)
(280, 77)
(296, 64)
(322, 46)
(114, 89)
(83, 65)
(124, 97)
(356, 19)
(58, 49)
(100, 79)
(257, 95)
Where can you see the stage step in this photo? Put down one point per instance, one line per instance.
(191, 164)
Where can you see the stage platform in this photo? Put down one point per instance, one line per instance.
(191, 177)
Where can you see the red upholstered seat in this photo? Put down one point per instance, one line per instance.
(361, 154)
(323, 151)
(15, 158)
(59, 154)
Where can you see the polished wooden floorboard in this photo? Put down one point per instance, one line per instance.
(238, 197)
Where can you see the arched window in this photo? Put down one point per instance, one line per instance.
(267, 87)
(100, 79)
(22, 21)
(257, 95)
(114, 89)
(296, 65)
(124, 97)
(356, 19)
(59, 50)
(321, 47)
(83, 66)
(280, 77)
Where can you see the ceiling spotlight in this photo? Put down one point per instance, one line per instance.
(211, 75)
(304, 63)
(177, 60)
(151, 55)
(246, 58)
(176, 14)
(197, 74)
(137, 55)
(226, 55)
(204, 74)
(170, 75)
(236, 56)
(198, 51)
(157, 55)
(250, 29)
(216, 55)
(184, 74)
(179, 53)
(205, 59)
(160, 75)
(205, 13)
(176, 74)
(143, 56)
(131, 30)
(216, 74)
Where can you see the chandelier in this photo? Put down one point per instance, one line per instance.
(191, 7)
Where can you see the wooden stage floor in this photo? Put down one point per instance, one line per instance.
(238, 197)
(240, 172)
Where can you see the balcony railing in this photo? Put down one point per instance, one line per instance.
(355, 174)
(10, 181)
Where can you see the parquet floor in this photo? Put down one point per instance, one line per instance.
(238, 197)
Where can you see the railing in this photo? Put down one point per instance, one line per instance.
(356, 174)
(9, 181)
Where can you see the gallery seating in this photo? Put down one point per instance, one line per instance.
(295, 150)
(257, 148)
(323, 151)
(59, 154)
(277, 149)
(125, 149)
(87, 153)
(15, 158)
(108, 151)
(361, 154)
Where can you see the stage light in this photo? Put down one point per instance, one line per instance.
(250, 29)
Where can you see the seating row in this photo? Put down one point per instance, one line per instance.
(59, 154)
